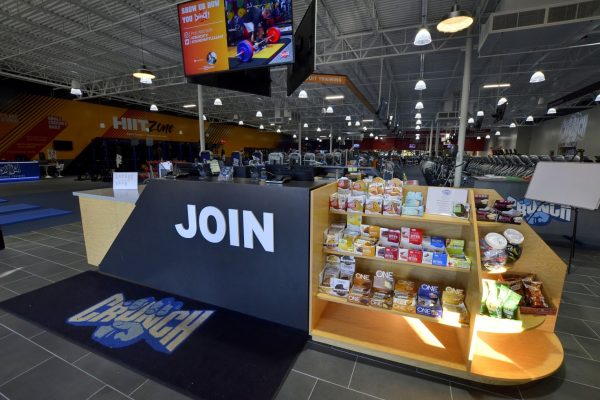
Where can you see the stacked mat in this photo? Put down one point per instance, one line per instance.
(21, 212)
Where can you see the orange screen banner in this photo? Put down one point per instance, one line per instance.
(203, 36)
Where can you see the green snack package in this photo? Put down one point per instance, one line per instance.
(484, 295)
(510, 305)
(493, 302)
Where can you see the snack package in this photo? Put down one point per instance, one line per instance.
(395, 182)
(434, 243)
(364, 247)
(507, 219)
(383, 282)
(380, 251)
(370, 231)
(455, 254)
(481, 200)
(533, 294)
(503, 205)
(344, 185)
(413, 199)
(376, 189)
(374, 205)
(337, 201)
(392, 205)
(346, 242)
(514, 248)
(405, 296)
(492, 302)
(411, 238)
(355, 204)
(359, 188)
(389, 237)
(435, 258)
(414, 256)
(453, 302)
(353, 222)
(340, 287)
(428, 295)
(329, 272)
(461, 210)
(393, 191)
(485, 291)
(412, 211)
(347, 267)
(332, 235)
(391, 253)
(360, 292)
(510, 305)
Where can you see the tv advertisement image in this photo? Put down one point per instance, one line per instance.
(230, 35)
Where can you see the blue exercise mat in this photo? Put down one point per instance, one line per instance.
(17, 207)
(32, 215)
(3, 200)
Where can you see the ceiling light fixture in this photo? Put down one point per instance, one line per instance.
(144, 73)
(153, 107)
(261, 127)
(420, 85)
(259, 114)
(203, 117)
(241, 122)
(418, 127)
(496, 85)
(146, 81)
(303, 94)
(478, 137)
(537, 77)
(191, 105)
(305, 125)
(357, 123)
(334, 97)
(597, 99)
(455, 21)
(487, 136)
(471, 120)
(423, 37)
(418, 116)
(480, 113)
(497, 133)
(329, 110)
(502, 100)
(278, 130)
(419, 105)
(294, 136)
(339, 138)
(551, 111)
(349, 123)
(348, 118)
(512, 125)
(371, 134)
(367, 120)
(218, 102)
(529, 118)
(364, 128)
(76, 91)
(319, 129)
(272, 124)
(376, 137)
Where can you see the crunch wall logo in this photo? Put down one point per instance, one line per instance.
(160, 323)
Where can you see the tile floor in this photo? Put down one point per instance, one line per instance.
(35, 364)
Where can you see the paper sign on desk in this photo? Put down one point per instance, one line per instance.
(125, 180)
(440, 200)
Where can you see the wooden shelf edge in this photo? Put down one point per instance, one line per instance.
(404, 263)
(342, 300)
(526, 322)
(439, 219)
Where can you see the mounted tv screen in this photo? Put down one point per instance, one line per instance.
(233, 35)
(305, 45)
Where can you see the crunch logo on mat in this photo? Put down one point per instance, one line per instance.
(160, 323)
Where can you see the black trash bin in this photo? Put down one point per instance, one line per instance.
(1, 240)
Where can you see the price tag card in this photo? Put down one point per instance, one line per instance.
(125, 180)
(441, 200)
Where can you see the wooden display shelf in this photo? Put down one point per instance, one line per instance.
(342, 300)
(524, 322)
(405, 263)
(504, 225)
(432, 218)
(392, 337)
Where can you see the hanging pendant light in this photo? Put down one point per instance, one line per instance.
(487, 136)
(364, 128)
(420, 85)
(305, 138)
(419, 105)
(329, 110)
(357, 123)
(143, 73)
(376, 137)
(371, 134)
(349, 123)
(303, 94)
(551, 111)
(418, 116)
(471, 120)
(153, 107)
(319, 129)
(261, 127)
(348, 118)
(423, 37)
(339, 138)
(278, 130)
(305, 125)
(478, 137)
(597, 99)
(295, 136)
(480, 113)
(502, 100)
(259, 114)
(455, 21)
(537, 77)
(218, 102)
(203, 117)
(418, 122)
(418, 127)
(241, 122)
(512, 125)
(497, 133)
(529, 118)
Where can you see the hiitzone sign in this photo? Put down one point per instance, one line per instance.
(163, 324)
(538, 213)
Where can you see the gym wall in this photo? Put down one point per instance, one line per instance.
(232, 137)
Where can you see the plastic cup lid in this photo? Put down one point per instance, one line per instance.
(496, 241)
(514, 236)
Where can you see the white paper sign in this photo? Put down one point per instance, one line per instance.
(440, 200)
(125, 180)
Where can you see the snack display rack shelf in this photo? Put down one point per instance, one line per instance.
(435, 219)
(489, 350)
(397, 262)
(339, 300)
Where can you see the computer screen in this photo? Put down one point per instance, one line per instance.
(230, 35)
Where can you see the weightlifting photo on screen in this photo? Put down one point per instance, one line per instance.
(259, 33)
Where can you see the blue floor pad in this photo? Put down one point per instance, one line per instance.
(3, 200)
(17, 207)
(31, 215)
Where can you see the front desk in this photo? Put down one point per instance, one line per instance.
(239, 245)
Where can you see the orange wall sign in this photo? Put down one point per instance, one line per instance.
(203, 36)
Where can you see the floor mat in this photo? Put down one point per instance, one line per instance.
(17, 207)
(194, 347)
(31, 215)
(3, 200)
